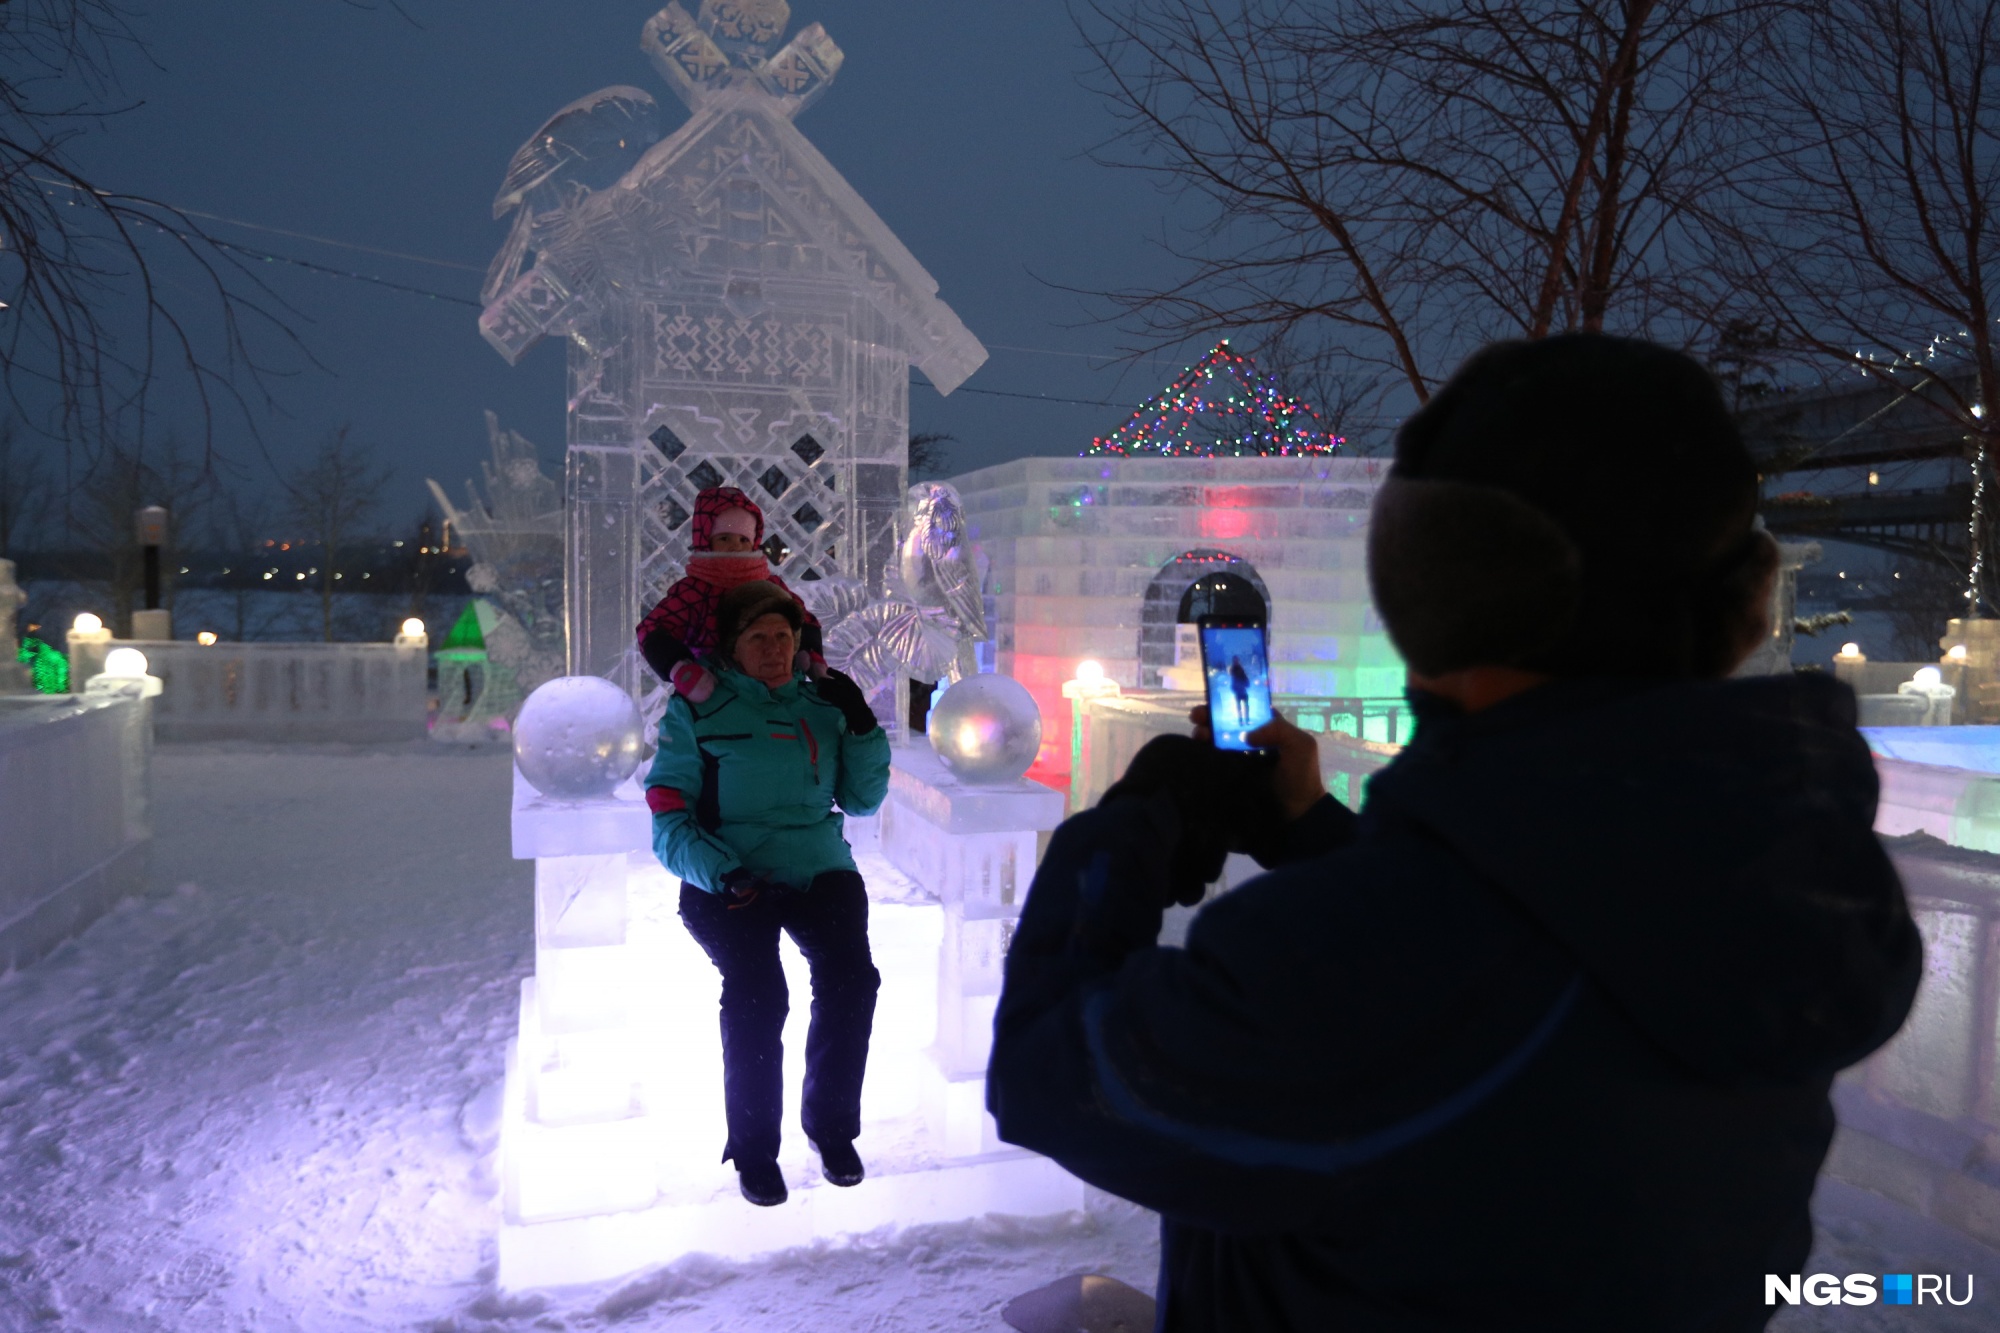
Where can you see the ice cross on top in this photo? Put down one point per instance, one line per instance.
(723, 49)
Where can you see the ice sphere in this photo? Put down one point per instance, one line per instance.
(986, 728)
(577, 737)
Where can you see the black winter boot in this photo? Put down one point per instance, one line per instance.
(761, 1182)
(839, 1163)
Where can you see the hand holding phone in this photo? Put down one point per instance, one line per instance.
(1235, 664)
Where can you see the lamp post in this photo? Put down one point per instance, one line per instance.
(152, 622)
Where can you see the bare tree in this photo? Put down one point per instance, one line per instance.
(85, 271)
(1871, 240)
(24, 488)
(240, 520)
(1927, 594)
(927, 453)
(1402, 181)
(102, 552)
(333, 501)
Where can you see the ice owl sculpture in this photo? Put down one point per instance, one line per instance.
(577, 737)
(986, 729)
(937, 561)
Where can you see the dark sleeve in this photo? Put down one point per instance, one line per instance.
(1326, 826)
(662, 640)
(1084, 953)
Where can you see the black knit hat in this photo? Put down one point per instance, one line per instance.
(743, 604)
(1579, 504)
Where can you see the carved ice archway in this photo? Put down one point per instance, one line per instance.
(1160, 608)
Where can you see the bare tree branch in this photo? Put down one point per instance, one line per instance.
(1393, 184)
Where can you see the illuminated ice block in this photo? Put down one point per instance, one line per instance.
(588, 1074)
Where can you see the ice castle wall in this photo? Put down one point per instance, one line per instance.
(1074, 543)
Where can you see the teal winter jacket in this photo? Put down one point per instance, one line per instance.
(751, 776)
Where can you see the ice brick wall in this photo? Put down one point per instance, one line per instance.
(1074, 544)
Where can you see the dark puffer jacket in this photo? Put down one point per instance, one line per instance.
(1542, 1041)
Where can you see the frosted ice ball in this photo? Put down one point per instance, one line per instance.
(986, 729)
(577, 737)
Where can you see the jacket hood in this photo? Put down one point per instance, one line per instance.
(1705, 850)
(709, 503)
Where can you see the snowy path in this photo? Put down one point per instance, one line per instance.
(260, 1097)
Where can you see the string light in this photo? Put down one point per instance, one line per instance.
(1221, 406)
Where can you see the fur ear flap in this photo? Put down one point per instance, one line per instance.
(1469, 575)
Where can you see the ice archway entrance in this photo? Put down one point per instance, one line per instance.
(1166, 597)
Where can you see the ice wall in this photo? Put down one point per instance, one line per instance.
(1074, 544)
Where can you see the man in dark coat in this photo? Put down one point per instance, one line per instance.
(1543, 1038)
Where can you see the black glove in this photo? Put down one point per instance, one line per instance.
(836, 688)
(743, 885)
(1222, 797)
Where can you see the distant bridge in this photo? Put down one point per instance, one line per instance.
(1813, 450)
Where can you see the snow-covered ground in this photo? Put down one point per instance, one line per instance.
(262, 1097)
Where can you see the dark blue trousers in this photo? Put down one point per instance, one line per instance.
(829, 923)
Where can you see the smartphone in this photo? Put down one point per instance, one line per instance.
(1236, 665)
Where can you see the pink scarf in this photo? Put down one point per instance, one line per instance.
(723, 570)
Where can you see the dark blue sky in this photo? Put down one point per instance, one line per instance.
(966, 126)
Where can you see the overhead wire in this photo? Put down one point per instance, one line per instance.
(265, 256)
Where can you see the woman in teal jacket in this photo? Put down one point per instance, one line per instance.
(743, 792)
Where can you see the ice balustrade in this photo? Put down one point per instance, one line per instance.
(355, 692)
(1919, 1118)
(74, 824)
(1356, 737)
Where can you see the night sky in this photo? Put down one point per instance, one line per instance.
(966, 126)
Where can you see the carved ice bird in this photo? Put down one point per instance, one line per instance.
(587, 146)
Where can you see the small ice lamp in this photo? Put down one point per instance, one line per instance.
(127, 662)
(1927, 677)
(86, 623)
(206, 638)
(1955, 653)
(412, 627)
(1849, 652)
(412, 634)
(1090, 682)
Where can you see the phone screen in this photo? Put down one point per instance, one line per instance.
(1238, 672)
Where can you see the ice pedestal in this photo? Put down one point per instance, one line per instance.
(975, 847)
(612, 1133)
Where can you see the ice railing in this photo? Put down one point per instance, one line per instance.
(1356, 736)
(355, 692)
(1920, 1119)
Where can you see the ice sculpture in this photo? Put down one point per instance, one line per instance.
(734, 312)
(516, 538)
(940, 566)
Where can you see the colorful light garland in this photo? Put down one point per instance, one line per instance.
(1221, 406)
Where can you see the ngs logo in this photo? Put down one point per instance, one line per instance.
(1859, 1289)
